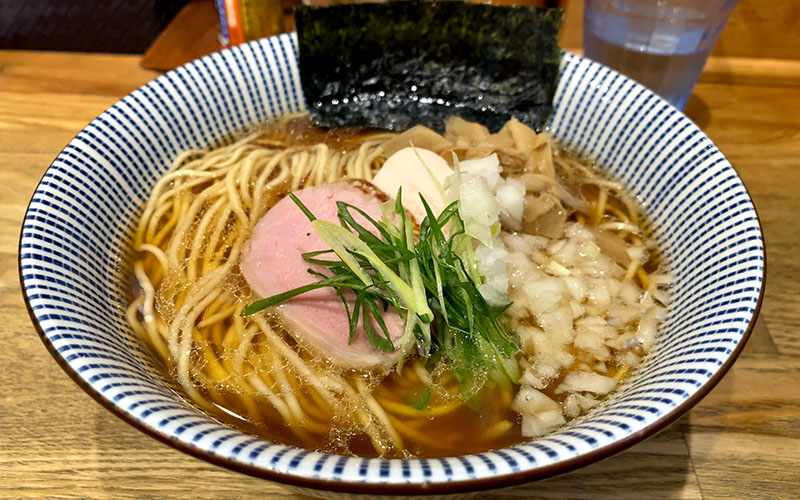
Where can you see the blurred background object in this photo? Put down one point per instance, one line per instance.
(757, 32)
(534, 3)
(118, 26)
(243, 21)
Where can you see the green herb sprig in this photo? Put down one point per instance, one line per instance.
(431, 282)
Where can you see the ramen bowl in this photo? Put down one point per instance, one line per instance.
(75, 241)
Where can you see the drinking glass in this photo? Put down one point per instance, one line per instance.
(662, 44)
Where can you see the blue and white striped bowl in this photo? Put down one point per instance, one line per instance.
(73, 250)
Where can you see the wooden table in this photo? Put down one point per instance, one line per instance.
(741, 442)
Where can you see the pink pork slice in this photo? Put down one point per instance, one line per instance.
(273, 264)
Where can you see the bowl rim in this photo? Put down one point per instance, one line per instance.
(496, 481)
(456, 486)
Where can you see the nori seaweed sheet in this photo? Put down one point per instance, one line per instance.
(394, 65)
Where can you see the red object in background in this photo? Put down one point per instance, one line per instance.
(241, 21)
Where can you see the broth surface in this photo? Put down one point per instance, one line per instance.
(243, 373)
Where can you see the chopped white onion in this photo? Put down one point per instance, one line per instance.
(570, 286)
(510, 195)
(542, 423)
(530, 401)
(488, 168)
(586, 382)
(479, 210)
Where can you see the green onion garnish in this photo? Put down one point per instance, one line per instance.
(432, 283)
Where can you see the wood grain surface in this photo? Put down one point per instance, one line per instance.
(740, 442)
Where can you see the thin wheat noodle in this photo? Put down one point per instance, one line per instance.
(408, 431)
(148, 311)
(409, 411)
(379, 413)
(189, 239)
(323, 384)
